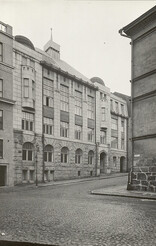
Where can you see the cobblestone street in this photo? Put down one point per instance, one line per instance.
(70, 215)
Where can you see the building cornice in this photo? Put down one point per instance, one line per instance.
(140, 22)
(6, 100)
(66, 74)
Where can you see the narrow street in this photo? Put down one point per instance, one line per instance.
(70, 215)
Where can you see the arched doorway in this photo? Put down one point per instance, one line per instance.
(122, 164)
(103, 159)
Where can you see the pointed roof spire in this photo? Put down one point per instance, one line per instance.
(51, 35)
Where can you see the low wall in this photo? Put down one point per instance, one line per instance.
(142, 179)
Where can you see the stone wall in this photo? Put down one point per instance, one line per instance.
(143, 178)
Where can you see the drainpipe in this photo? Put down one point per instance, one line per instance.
(42, 130)
(121, 31)
(96, 161)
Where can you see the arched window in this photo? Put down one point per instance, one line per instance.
(27, 153)
(64, 155)
(48, 153)
(78, 156)
(90, 157)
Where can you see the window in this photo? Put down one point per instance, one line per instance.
(48, 92)
(64, 90)
(1, 52)
(114, 161)
(114, 124)
(78, 103)
(114, 142)
(78, 156)
(122, 143)
(103, 97)
(64, 129)
(90, 135)
(116, 107)
(32, 64)
(33, 89)
(103, 137)
(26, 87)
(1, 148)
(48, 153)
(90, 107)
(1, 119)
(48, 126)
(111, 104)
(122, 109)
(90, 157)
(64, 155)
(78, 132)
(27, 153)
(28, 121)
(122, 126)
(2, 28)
(103, 113)
(1, 88)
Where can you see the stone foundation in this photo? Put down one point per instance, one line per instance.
(142, 179)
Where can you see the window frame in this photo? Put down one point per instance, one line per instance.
(28, 153)
(1, 120)
(78, 156)
(64, 155)
(1, 85)
(64, 129)
(1, 148)
(1, 52)
(48, 154)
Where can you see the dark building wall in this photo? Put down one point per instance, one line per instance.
(143, 34)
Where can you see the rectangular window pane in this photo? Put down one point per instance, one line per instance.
(24, 155)
(1, 148)
(45, 156)
(1, 119)
(26, 87)
(1, 52)
(1, 88)
(31, 126)
(49, 156)
(29, 155)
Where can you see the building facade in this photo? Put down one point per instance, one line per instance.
(60, 121)
(6, 105)
(142, 32)
(111, 130)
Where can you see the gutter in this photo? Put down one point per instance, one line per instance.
(122, 33)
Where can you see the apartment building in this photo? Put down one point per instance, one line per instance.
(111, 129)
(6, 105)
(61, 120)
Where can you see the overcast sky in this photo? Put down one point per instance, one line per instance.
(87, 32)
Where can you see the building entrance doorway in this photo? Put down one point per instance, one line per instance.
(122, 164)
(2, 176)
(103, 157)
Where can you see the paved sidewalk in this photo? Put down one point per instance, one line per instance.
(122, 191)
(61, 182)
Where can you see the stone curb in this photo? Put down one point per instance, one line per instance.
(131, 195)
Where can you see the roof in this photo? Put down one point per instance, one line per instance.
(98, 80)
(25, 41)
(141, 21)
(127, 99)
(63, 66)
